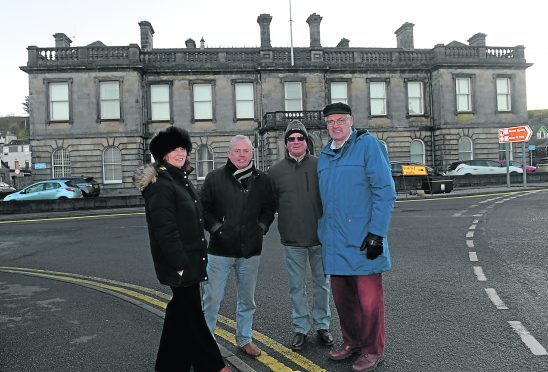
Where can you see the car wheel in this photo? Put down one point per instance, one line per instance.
(63, 197)
(467, 174)
(513, 172)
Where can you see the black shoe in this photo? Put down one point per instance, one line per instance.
(325, 337)
(298, 341)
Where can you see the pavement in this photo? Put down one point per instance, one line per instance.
(235, 362)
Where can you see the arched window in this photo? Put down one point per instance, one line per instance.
(416, 152)
(204, 161)
(112, 165)
(60, 161)
(466, 148)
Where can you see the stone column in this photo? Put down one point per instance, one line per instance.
(404, 36)
(147, 33)
(264, 23)
(62, 40)
(314, 21)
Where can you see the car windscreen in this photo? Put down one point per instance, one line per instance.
(70, 183)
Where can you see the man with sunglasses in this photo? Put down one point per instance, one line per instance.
(295, 185)
(358, 194)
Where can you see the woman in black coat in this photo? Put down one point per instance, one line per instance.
(179, 251)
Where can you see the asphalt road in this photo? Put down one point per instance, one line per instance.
(468, 291)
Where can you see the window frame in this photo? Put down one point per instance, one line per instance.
(199, 161)
(386, 83)
(509, 95)
(422, 155)
(471, 94)
(65, 156)
(235, 84)
(98, 83)
(422, 97)
(150, 84)
(193, 83)
(330, 83)
(471, 152)
(285, 99)
(104, 164)
(48, 83)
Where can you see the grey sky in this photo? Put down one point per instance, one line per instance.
(365, 23)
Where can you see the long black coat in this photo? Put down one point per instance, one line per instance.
(235, 216)
(175, 225)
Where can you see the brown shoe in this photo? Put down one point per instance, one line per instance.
(345, 352)
(367, 362)
(251, 349)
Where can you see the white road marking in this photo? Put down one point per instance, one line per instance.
(479, 274)
(472, 227)
(473, 206)
(457, 215)
(470, 234)
(500, 201)
(531, 342)
(473, 256)
(475, 221)
(495, 299)
(470, 243)
(477, 215)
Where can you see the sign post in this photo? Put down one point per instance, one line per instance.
(521, 134)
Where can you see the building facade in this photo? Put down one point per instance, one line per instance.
(94, 108)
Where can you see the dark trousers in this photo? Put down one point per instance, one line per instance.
(186, 340)
(360, 304)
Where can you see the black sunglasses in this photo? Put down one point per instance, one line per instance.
(293, 139)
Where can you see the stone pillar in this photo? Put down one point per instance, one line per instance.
(404, 36)
(62, 40)
(344, 43)
(314, 23)
(264, 23)
(190, 44)
(147, 33)
(477, 40)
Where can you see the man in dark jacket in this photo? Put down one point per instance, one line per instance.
(238, 210)
(295, 184)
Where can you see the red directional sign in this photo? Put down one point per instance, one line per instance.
(515, 134)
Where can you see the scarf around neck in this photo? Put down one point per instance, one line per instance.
(241, 174)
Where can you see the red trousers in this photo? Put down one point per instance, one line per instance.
(360, 304)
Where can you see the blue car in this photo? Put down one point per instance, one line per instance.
(43, 190)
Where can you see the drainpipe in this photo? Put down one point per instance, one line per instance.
(261, 143)
(431, 102)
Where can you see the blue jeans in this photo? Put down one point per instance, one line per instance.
(218, 270)
(296, 259)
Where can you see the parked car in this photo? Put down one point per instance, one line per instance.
(479, 166)
(528, 168)
(396, 168)
(50, 189)
(542, 165)
(5, 189)
(88, 185)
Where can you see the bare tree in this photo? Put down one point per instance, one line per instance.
(26, 105)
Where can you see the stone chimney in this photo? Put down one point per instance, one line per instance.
(202, 43)
(477, 40)
(62, 40)
(190, 44)
(404, 36)
(314, 22)
(344, 43)
(146, 35)
(264, 23)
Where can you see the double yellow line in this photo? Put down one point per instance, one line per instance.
(151, 300)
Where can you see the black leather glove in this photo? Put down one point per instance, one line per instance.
(373, 244)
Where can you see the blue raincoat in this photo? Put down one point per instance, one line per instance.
(358, 194)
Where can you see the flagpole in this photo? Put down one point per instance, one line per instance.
(291, 33)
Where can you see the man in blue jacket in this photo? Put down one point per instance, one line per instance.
(358, 194)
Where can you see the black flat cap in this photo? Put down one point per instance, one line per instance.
(337, 108)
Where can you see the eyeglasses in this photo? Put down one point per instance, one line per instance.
(293, 139)
(339, 121)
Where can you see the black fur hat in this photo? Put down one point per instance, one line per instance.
(168, 140)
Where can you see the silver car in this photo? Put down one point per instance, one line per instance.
(50, 189)
(479, 166)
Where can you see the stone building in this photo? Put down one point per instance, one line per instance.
(94, 108)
